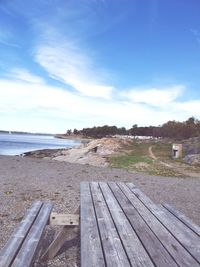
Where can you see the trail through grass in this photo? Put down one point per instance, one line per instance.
(136, 157)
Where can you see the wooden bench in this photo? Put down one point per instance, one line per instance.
(21, 247)
(121, 226)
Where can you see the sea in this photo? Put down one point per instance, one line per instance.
(17, 144)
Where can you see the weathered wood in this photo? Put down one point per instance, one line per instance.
(178, 239)
(195, 228)
(57, 243)
(131, 230)
(91, 247)
(10, 250)
(26, 253)
(64, 219)
(70, 223)
(136, 253)
(149, 240)
(77, 210)
(114, 251)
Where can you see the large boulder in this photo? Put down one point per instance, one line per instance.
(192, 159)
(192, 146)
(95, 152)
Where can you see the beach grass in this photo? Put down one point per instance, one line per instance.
(136, 157)
(125, 161)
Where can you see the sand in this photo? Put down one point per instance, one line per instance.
(23, 180)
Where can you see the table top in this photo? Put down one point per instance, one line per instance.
(121, 226)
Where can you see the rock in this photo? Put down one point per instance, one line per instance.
(44, 153)
(192, 159)
(192, 146)
(95, 152)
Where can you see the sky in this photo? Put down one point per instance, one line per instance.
(68, 64)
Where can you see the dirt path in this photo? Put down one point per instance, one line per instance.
(151, 154)
(173, 166)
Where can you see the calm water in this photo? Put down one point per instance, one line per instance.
(16, 144)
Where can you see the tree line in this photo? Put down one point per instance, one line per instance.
(171, 129)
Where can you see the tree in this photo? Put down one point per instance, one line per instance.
(75, 131)
(69, 132)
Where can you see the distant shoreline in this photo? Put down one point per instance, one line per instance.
(52, 152)
(18, 143)
(74, 137)
(26, 133)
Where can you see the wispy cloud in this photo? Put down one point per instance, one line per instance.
(158, 97)
(68, 63)
(25, 76)
(9, 43)
(40, 107)
(6, 38)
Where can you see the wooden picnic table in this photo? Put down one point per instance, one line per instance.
(121, 226)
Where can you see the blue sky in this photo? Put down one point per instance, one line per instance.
(84, 63)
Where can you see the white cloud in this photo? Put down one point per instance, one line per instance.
(68, 64)
(26, 76)
(154, 96)
(191, 107)
(41, 108)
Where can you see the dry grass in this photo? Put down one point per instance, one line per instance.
(136, 157)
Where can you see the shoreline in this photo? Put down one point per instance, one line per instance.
(95, 152)
(16, 144)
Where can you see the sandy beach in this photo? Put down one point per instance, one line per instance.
(24, 180)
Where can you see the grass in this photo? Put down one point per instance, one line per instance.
(136, 158)
(125, 161)
(162, 151)
(135, 153)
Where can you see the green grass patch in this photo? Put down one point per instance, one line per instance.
(125, 161)
(162, 150)
(136, 158)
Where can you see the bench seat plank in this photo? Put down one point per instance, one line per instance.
(28, 249)
(9, 251)
(183, 234)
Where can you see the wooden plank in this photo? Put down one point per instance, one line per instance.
(91, 248)
(9, 251)
(195, 228)
(136, 253)
(113, 248)
(25, 256)
(70, 222)
(149, 240)
(57, 243)
(183, 234)
(64, 219)
(174, 248)
(188, 240)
